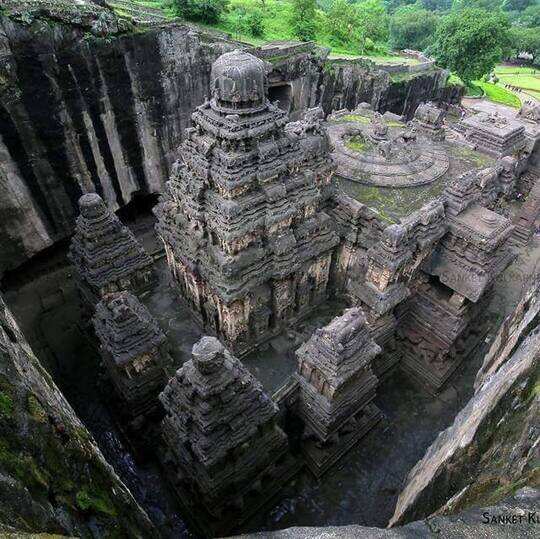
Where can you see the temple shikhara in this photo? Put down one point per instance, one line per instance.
(316, 258)
(247, 239)
(224, 448)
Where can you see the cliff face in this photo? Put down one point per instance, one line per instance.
(491, 448)
(344, 84)
(81, 113)
(470, 524)
(51, 470)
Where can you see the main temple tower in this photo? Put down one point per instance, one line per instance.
(247, 239)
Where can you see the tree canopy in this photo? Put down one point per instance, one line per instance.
(304, 19)
(412, 27)
(208, 11)
(470, 42)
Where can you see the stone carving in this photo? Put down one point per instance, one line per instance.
(246, 236)
(440, 323)
(494, 134)
(430, 119)
(397, 161)
(530, 110)
(337, 386)
(134, 350)
(379, 129)
(105, 253)
(223, 450)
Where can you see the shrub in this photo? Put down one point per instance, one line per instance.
(208, 11)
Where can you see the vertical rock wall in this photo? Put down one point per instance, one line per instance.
(53, 477)
(491, 449)
(79, 113)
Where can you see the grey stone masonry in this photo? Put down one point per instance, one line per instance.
(105, 253)
(494, 134)
(134, 349)
(247, 239)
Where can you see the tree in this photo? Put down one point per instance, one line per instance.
(303, 19)
(525, 40)
(437, 5)
(208, 11)
(412, 27)
(342, 23)
(471, 42)
(393, 5)
(530, 16)
(488, 5)
(517, 5)
(373, 21)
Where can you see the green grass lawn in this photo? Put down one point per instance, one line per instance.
(494, 92)
(499, 94)
(527, 78)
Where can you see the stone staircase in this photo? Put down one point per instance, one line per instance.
(138, 13)
(525, 221)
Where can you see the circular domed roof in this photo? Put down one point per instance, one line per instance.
(238, 81)
(91, 205)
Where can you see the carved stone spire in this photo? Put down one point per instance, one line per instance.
(221, 434)
(337, 386)
(134, 349)
(246, 236)
(105, 253)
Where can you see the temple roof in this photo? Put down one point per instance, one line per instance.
(341, 348)
(103, 250)
(215, 403)
(238, 80)
(125, 328)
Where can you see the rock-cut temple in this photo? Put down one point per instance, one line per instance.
(264, 223)
(246, 236)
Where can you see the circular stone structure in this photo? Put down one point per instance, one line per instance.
(395, 162)
(238, 82)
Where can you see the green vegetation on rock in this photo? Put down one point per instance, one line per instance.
(6, 405)
(89, 499)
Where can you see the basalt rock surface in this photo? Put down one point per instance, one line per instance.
(514, 513)
(491, 448)
(85, 109)
(53, 477)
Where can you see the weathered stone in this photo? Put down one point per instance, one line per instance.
(224, 452)
(135, 352)
(491, 447)
(515, 516)
(246, 236)
(79, 114)
(53, 476)
(494, 134)
(337, 387)
(106, 255)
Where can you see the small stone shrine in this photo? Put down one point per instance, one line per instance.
(105, 253)
(337, 387)
(494, 134)
(430, 119)
(135, 352)
(246, 236)
(443, 321)
(223, 448)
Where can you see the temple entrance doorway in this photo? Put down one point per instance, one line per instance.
(281, 92)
